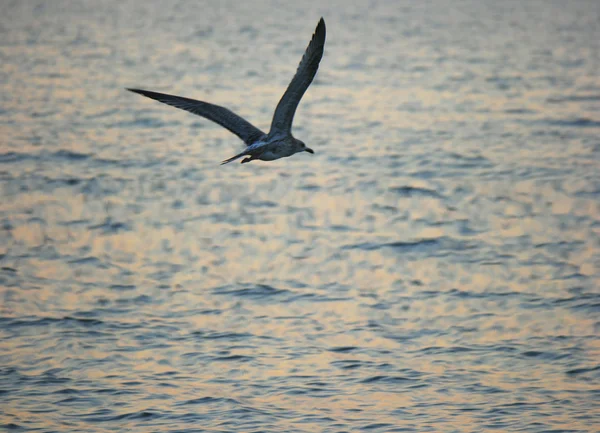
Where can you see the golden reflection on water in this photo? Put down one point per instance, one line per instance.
(144, 228)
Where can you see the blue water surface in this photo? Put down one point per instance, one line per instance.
(434, 267)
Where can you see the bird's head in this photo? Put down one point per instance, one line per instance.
(303, 147)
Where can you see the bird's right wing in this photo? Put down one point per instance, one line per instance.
(220, 115)
(307, 69)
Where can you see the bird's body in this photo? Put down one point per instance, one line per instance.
(279, 142)
(270, 149)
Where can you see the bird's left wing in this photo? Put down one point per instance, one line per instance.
(220, 115)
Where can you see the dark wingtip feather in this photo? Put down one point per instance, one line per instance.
(320, 30)
(140, 91)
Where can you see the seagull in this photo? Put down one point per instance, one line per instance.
(279, 142)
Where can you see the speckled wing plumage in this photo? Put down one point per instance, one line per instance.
(286, 108)
(220, 115)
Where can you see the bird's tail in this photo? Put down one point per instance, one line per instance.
(233, 158)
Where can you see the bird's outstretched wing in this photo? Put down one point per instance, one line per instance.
(220, 115)
(286, 108)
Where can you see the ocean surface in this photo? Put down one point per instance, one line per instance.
(434, 267)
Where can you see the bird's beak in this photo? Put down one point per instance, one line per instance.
(309, 150)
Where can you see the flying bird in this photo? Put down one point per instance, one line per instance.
(279, 142)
